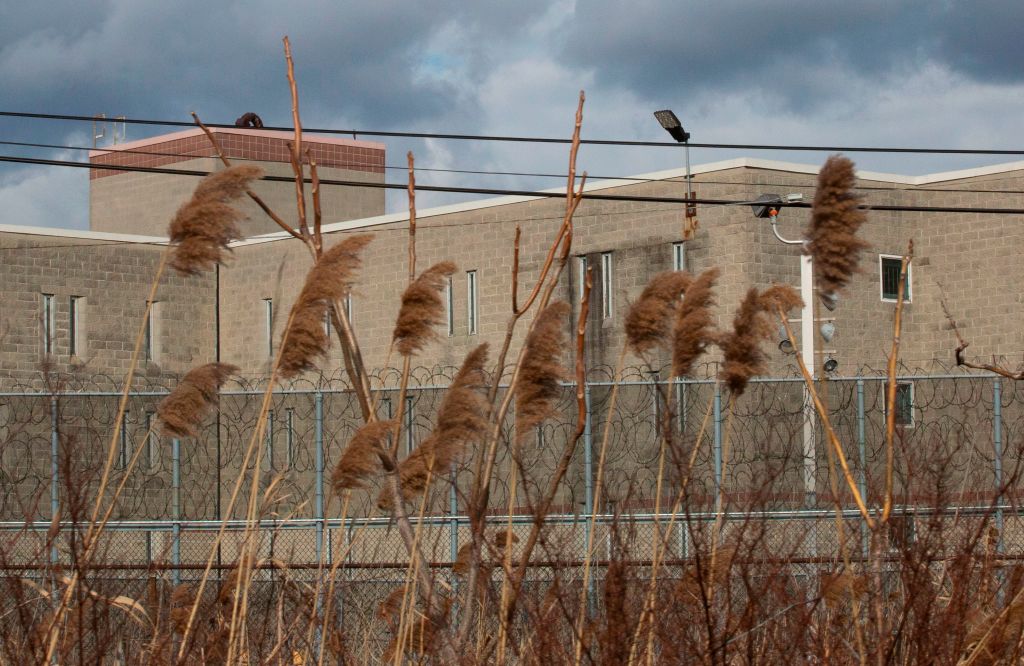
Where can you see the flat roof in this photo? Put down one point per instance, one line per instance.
(184, 134)
(595, 186)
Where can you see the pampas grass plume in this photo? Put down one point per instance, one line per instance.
(422, 309)
(460, 421)
(204, 226)
(538, 385)
(835, 219)
(741, 347)
(692, 330)
(360, 458)
(184, 409)
(306, 342)
(649, 320)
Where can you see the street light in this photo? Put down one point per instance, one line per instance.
(668, 120)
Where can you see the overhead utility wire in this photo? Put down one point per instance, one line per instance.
(505, 192)
(530, 139)
(529, 174)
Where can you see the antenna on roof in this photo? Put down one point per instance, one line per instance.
(118, 129)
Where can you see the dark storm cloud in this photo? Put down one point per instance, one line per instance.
(668, 50)
(360, 61)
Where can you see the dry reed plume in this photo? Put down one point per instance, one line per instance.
(184, 409)
(305, 341)
(422, 309)
(692, 330)
(461, 420)
(542, 370)
(835, 219)
(649, 319)
(204, 226)
(741, 347)
(361, 458)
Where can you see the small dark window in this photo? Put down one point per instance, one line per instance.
(891, 267)
(904, 404)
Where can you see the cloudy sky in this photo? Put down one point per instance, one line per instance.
(935, 73)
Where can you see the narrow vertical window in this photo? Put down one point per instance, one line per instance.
(46, 316)
(581, 276)
(270, 439)
(124, 452)
(75, 333)
(449, 304)
(327, 320)
(905, 404)
(151, 334)
(410, 422)
(152, 442)
(890, 267)
(289, 452)
(679, 256)
(268, 325)
(473, 317)
(348, 307)
(607, 285)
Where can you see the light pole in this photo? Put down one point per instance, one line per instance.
(767, 206)
(668, 120)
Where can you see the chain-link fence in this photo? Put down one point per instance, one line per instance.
(958, 453)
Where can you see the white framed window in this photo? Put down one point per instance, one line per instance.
(76, 330)
(47, 323)
(607, 285)
(152, 442)
(581, 276)
(348, 306)
(268, 325)
(889, 268)
(449, 305)
(904, 404)
(472, 303)
(679, 256)
(151, 335)
(327, 320)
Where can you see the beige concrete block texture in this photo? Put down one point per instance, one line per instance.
(972, 256)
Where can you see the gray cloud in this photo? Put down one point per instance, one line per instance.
(797, 71)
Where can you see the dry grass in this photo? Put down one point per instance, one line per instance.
(204, 226)
(693, 330)
(305, 342)
(422, 309)
(649, 320)
(196, 395)
(835, 221)
(752, 325)
(542, 369)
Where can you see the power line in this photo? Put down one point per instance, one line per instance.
(507, 192)
(536, 139)
(478, 172)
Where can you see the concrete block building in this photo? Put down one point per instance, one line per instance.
(71, 302)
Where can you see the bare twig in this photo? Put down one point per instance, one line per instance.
(296, 145)
(962, 345)
(890, 388)
(318, 240)
(252, 195)
(412, 216)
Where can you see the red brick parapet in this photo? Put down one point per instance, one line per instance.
(240, 144)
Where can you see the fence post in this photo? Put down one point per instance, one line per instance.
(862, 481)
(176, 509)
(54, 474)
(588, 481)
(718, 439)
(453, 526)
(319, 498)
(997, 446)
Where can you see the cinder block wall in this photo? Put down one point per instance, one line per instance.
(143, 203)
